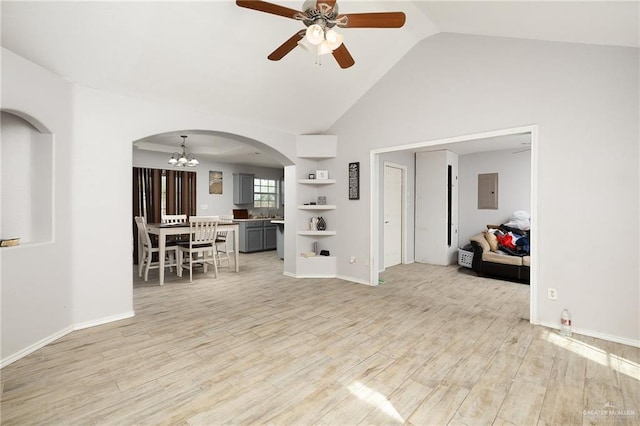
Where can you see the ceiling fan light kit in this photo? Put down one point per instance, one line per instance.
(320, 17)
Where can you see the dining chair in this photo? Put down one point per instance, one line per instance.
(148, 249)
(174, 218)
(222, 242)
(201, 246)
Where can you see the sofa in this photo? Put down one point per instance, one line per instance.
(498, 263)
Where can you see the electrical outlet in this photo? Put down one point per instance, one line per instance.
(352, 259)
(552, 293)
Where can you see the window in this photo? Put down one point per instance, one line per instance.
(264, 193)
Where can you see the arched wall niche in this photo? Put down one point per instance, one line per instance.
(26, 152)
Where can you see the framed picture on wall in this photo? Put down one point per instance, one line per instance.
(354, 181)
(215, 182)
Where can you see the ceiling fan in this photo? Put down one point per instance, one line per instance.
(320, 17)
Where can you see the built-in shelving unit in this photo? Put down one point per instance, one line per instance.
(315, 148)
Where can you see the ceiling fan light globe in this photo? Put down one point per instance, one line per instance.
(324, 48)
(306, 46)
(315, 34)
(173, 161)
(194, 162)
(334, 39)
(182, 160)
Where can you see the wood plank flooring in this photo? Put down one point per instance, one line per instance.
(431, 346)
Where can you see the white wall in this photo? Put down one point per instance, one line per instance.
(584, 100)
(216, 204)
(84, 277)
(36, 285)
(432, 205)
(514, 189)
(106, 125)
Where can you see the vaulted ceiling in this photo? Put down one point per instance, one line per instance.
(212, 55)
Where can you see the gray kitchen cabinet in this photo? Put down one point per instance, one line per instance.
(270, 236)
(254, 239)
(242, 188)
(257, 235)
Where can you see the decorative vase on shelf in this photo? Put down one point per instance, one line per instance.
(321, 225)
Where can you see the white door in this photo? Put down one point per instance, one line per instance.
(392, 216)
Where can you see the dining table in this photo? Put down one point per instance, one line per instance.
(162, 230)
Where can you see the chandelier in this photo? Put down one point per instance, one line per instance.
(320, 21)
(185, 158)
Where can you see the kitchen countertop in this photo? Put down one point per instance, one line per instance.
(278, 221)
(255, 219)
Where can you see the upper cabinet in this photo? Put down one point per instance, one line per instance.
(243, 188)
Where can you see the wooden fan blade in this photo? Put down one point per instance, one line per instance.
(286, 47)
(331, 3)
(266, 7)
(374, 20)
(343, 57)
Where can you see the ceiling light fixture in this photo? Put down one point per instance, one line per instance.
(183, 159)
(320, 37)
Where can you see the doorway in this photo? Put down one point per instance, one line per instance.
(486, 141)
(394, 190)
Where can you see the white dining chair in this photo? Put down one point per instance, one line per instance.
(148, 249)
(174, 218)
(200, 249)
(222, 242)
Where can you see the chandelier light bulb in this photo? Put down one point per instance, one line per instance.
(315, 34)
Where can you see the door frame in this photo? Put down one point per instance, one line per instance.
(374, 210)
(403, 212)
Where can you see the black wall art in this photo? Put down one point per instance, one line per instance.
(354, 181)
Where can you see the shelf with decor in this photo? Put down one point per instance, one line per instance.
(316, 206)
(316, 181)
(313, 179)
(317, 233)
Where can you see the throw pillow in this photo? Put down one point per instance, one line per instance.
(492, 240)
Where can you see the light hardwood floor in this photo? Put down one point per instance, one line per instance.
(430, 346)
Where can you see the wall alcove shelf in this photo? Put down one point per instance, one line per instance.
(316, 207)
(315, 148)
(316, 181)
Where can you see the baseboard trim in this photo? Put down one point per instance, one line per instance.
(354, 280)
(596, 334)
(38, 345)
(50, 339)
(104, 320)
(292, 275)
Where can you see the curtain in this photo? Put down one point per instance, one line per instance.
(179, 197)
(181, 192)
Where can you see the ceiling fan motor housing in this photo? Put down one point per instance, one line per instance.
(319, 14)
